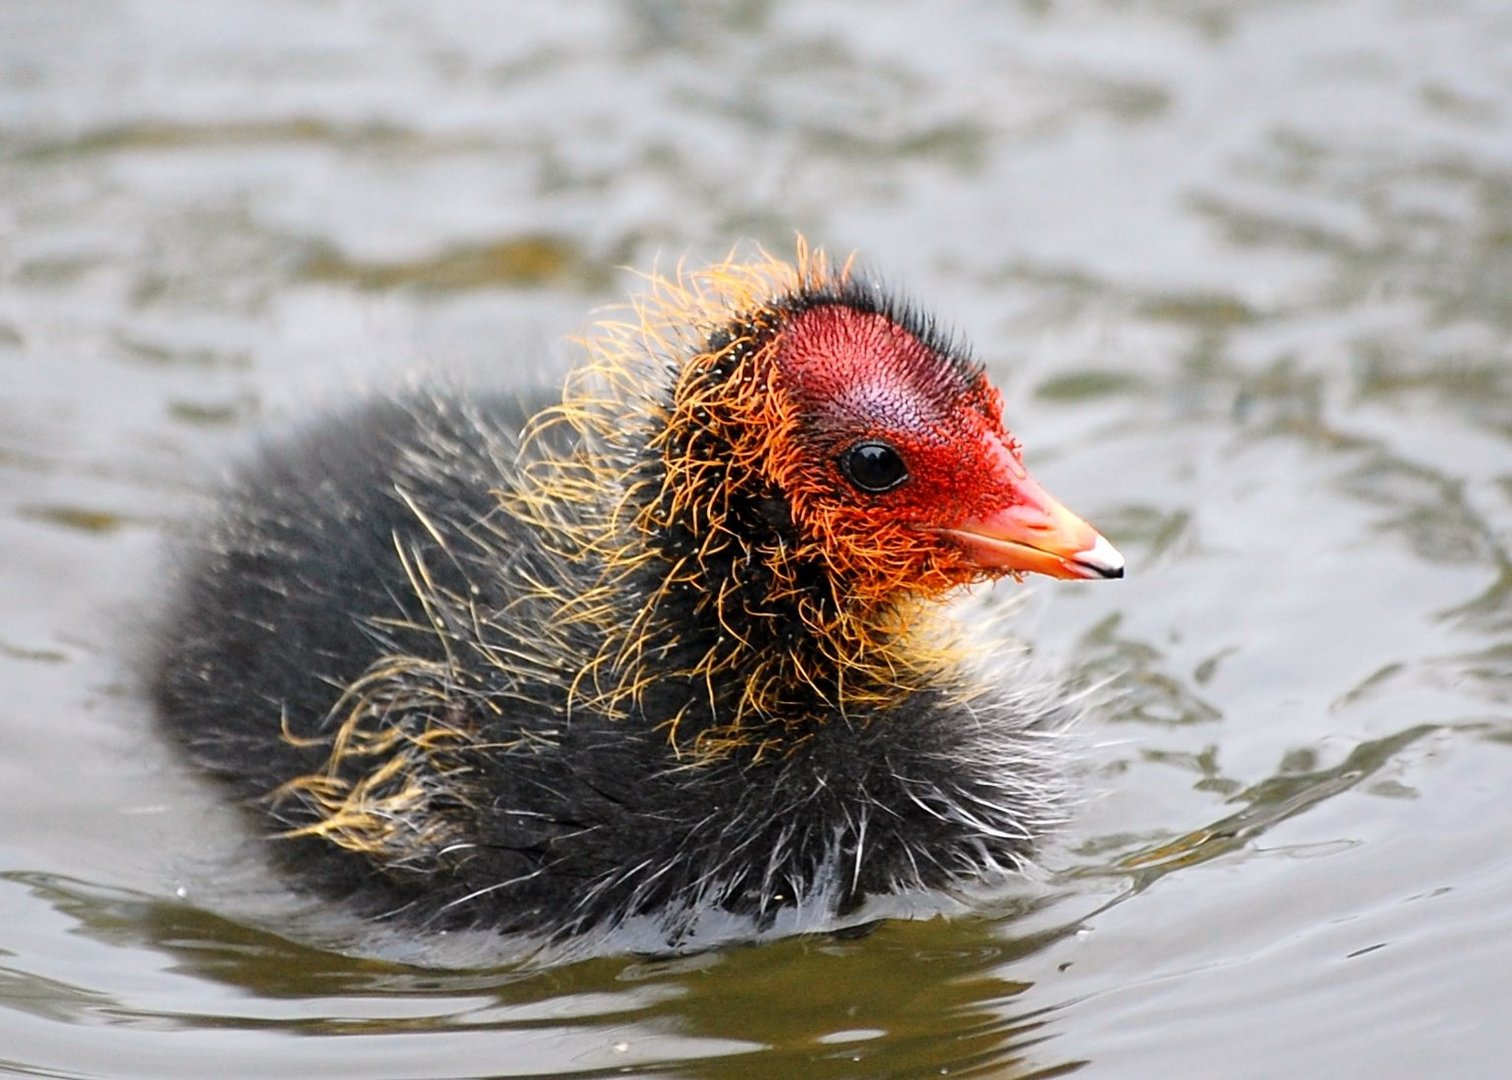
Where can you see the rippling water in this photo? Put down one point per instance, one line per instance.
(1245, 270)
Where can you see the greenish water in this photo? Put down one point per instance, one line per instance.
(1245, 272)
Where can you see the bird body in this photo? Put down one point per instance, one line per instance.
(663, 649)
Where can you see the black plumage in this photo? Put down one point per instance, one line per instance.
(396, 640)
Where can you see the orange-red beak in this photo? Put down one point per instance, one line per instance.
(1039, 535)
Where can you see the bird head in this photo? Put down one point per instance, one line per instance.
(897, 461)
(808, 400)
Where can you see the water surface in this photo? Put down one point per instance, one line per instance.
(1245, 272)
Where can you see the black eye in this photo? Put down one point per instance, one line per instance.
(874, 467)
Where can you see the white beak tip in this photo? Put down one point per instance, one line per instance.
(1102, 560)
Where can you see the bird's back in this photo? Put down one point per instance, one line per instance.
(305, 577)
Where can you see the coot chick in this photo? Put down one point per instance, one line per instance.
(663, 650)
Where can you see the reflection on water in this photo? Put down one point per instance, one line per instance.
(1295, 788)
(1246, 273)
(762, 1011)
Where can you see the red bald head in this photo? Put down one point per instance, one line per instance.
(901, 469)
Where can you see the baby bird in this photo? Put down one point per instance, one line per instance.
(666, 649)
